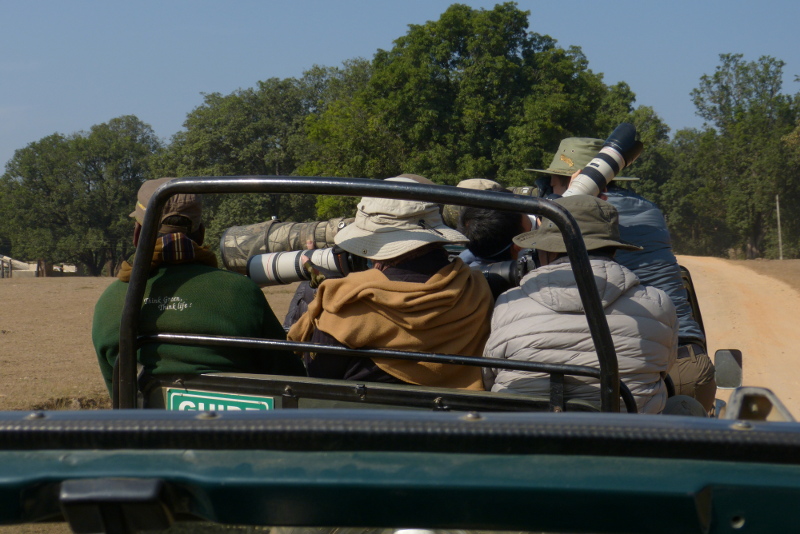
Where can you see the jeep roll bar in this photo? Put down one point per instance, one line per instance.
(124, 393)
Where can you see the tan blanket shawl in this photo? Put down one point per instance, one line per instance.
(449, 314)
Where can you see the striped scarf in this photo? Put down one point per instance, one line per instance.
(172, 249)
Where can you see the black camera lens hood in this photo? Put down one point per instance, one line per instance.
(623, 140)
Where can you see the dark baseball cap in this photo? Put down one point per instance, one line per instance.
(188, 205)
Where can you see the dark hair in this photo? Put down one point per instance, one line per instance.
(490, 232)
(563, 180)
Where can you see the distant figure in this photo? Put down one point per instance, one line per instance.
(187, 293)
(413, 298)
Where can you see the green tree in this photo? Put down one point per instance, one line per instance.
(345, 146)
(746, 118)
(257, 131)
(67, 198)
(472, 94)
(655, 165)
(693, 199)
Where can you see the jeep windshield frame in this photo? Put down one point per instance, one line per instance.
(125, 387)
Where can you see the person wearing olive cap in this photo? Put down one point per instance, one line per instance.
(642, 223)
(413, 298)
(187, 293)
(543, 320)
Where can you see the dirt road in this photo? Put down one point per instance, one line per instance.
(47, 359)
(756, 314)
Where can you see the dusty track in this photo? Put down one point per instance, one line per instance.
(46, 354)
(756, 314)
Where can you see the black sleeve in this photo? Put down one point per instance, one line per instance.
(299, 304)
(326, 365)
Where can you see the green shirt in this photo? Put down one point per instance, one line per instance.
(194, 299)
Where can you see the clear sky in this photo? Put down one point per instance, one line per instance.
(67, 65)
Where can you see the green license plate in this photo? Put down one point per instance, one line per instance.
(202, 401)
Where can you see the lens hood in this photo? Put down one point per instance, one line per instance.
(623, 140)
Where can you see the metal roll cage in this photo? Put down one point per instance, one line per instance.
(125, 387)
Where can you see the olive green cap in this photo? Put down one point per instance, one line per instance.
(597, 220)
(451, 212)
(573, 154)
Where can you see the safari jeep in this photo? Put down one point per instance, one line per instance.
(303, 455)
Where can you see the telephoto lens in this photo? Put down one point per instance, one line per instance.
(619, 151)
(278, 268)
(240, 243)
(504, 275)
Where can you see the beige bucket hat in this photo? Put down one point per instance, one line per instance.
(451, 212)
(386, 228)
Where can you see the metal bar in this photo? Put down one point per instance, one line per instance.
(627, 398)
(556, 392)
(296, 346)
(593, 434)
(368, 393)
(576, 251)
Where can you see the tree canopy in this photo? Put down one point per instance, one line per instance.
(67, 198)
(474, 93)
(739, 162)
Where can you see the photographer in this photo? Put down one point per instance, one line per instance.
(543, 319)
(491, 234)
(412, 298)
(187, 293)
(642, 223)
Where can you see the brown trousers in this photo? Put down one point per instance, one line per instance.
(694, 376)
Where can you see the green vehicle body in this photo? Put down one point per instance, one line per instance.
(301, 452)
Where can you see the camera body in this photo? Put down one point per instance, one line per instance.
(503, 275)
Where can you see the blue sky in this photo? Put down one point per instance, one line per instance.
(67, 65)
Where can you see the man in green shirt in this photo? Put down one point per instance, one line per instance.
(186, 293)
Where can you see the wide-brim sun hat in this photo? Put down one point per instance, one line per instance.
(573, 154)
(597, 220)
(386, 228)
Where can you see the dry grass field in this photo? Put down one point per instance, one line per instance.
(46, 352)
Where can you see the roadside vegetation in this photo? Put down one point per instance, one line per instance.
(475, 93)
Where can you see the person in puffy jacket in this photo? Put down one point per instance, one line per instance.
(643, 224)
(543, 319)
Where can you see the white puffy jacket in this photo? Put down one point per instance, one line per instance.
(543, 320)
